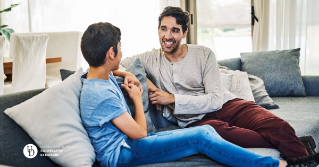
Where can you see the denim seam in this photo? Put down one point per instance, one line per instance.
(134, 148)
(232, 157)
(204, 145)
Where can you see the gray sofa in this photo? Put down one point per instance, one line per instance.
(301, 112)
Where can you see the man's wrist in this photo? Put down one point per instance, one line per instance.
(172, 99)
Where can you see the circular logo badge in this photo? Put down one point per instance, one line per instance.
(30, 151)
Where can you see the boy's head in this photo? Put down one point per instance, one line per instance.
(182, 18)
(97, 39)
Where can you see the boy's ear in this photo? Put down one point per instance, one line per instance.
(110, 53)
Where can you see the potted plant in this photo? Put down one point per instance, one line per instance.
(4, 28)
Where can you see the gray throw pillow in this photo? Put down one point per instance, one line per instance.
(138, 70)
(279, 70)
(260, 94)
(65, 73)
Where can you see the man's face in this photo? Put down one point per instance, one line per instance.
(170, 34)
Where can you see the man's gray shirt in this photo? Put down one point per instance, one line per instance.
(194, 81)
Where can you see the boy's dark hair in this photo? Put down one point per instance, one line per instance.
(97, 39)
(182, 18)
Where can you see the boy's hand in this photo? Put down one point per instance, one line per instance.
(133, 91)
(131, 79)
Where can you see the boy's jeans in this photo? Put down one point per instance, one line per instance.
(173, 145)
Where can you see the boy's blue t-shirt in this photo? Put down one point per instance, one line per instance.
(100, 102)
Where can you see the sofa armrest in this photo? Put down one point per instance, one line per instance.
(311, 84)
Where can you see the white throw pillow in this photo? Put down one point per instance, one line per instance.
(226, 80)
(52, 119)
(240, 84)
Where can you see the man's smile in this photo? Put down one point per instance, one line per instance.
(168, 43)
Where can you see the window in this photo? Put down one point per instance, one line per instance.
(138, 23)
(224, 26)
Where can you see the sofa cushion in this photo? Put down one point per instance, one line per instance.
(278, 69)
(302, 113)
(52, 120)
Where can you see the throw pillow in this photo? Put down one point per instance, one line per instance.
(13, 138)
(240, 84)
(259, 91)
(65, 73)
(138, 70)
(278, 69)
(53, 121)
(260, 94)
(226, 80)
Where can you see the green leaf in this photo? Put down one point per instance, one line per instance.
(3, 26)
(7, 32)
(9, 9)
(14, 5)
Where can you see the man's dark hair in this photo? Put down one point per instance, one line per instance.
(97, 39)
(182, 18)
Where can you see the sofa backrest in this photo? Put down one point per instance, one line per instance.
(311, 83)
(233, 63)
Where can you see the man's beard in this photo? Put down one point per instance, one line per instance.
(174, 48)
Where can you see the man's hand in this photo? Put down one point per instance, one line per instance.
(160, 97)
(150, 86)
(131, 79)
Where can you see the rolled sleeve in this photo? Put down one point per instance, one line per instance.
(109, 109)
(211, 100)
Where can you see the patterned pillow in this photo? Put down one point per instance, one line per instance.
(240, 84)
(259, 92)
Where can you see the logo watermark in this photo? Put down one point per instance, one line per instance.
(30, 151)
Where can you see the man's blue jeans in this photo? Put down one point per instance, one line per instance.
(173, 145)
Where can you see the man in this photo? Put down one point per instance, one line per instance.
(112, 130)
(187, 83)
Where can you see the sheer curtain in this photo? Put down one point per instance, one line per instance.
(289, 24)
(17, 19)
(138, 19)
